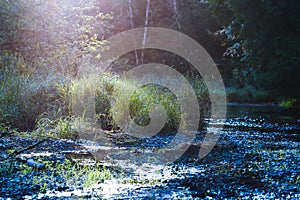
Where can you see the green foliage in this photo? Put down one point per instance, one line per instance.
(143, 99)
(108, 100)
(68, 35)
(46, 102)
(8, 168)
(63, 128)
(41, 51)
(288, 103)
(46, 55)
(3, 128)
(104, 93)
(25, 95)
(77, 173)
(10, 96)
(262, 36)
(96, 176)
(248, 94)
(68, 172)
(107, 94)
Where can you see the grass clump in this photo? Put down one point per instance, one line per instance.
(143, 99)
(61, 174)
(63, 128)
(288, 103)
(80, 174)
(107, 97)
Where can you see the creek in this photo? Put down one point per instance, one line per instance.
(257, 156)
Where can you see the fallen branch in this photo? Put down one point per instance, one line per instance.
(29, 148)
(23, 150)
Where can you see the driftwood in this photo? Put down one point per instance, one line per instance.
(23, 150)
(28, 148)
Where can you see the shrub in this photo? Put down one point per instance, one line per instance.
(106, 95)
(12, 84)
(25, 94)
(143, 99)
(11, 87)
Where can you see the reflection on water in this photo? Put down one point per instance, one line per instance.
(260, 111)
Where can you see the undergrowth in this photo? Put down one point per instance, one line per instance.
(33, 96)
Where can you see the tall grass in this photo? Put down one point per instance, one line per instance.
(35, 96)
(26, 93)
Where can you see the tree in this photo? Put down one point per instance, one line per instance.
(145, 29)
(61, 34)
(42, 45)
(132, 26)
(263, 36)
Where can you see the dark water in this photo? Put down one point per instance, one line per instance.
(271, 112)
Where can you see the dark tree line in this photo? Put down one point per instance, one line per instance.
(255, 42)
(263, 43)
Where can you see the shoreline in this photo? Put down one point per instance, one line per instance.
(252, 104)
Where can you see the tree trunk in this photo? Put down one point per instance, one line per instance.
(145, 30)
(132, 27)
(177, 16)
